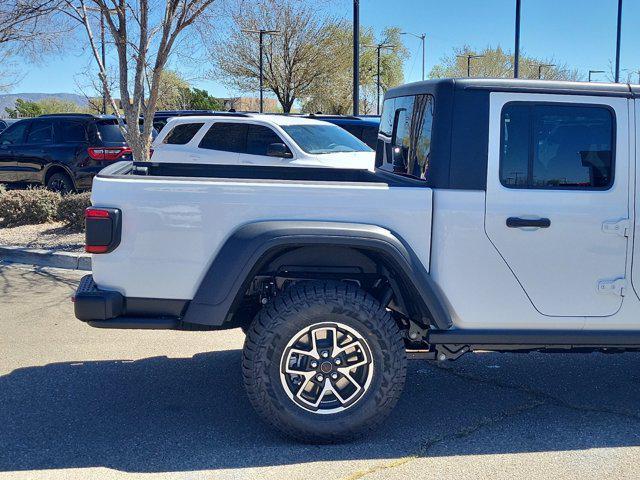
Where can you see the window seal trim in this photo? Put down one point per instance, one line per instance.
(532, 105)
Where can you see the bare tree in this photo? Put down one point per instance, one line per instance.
(144, 34)
(294, 57)
(25, 30)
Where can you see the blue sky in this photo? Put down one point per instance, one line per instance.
(578, 32)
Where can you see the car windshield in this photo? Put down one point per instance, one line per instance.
(318, 139)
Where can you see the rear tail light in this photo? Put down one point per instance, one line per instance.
(107, 154)
(102, 229)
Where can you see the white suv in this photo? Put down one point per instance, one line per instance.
(267, 140)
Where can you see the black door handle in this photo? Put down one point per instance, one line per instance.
(517, 222)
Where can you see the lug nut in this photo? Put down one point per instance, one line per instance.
(319, 378)
(325, 354)
(338, 361)
(334, 376)
(314, 364)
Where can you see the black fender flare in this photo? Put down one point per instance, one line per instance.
(252, 245)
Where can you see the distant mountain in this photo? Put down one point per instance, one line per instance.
(9, 99)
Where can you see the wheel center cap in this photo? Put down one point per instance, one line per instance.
(326, 367)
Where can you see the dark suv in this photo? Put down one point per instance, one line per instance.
(62, 152)
(364, 127)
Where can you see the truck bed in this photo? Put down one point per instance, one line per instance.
(176, 217)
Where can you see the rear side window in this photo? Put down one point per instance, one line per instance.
(259, 138)
(40, 132)
(557, 146)
(110, 132)
(73, 132)
(13, 135)
(182, 133)
(407, 123)
(226, 137)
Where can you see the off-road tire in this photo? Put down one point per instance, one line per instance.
(300, 306)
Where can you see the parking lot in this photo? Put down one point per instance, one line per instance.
(77, 402)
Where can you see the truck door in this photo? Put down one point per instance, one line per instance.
(557, 203)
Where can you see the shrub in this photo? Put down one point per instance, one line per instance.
(27, 207)
(71, 209)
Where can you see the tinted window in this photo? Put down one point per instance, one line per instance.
(73, 132)
(514, 164)
(226, 137)
(370, 136)
(328, 138)
(40, 132)
(407, 123)
(557, 146)
(110, 132)
(14, 135)
(182, 133)
(259, 138)
(353, 130)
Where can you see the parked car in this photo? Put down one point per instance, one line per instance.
(62, 152)
(502, 220)
(161, 117)
(364, 127)
(259, 139)
(5, 122)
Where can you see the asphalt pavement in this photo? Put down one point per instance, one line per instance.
(84, 403)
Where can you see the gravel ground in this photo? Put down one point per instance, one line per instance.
(47, 235)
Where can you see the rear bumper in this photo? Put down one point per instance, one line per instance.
(110, 309)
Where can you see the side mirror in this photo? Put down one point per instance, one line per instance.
(279, 150)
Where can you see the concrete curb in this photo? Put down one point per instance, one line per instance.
(46, 258)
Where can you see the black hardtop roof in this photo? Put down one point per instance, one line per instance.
(518, 85)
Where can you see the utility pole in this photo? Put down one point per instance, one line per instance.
(261, 33)
(591, 72)
(541, 66)
(516, 55)
(422, 37)
(469, 58)
(356, 57)
(619, 32)
(379, 47)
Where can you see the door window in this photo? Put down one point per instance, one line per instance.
(41, 132)
(557, 146)
(226, 137)
(259, 138)
(14, 135)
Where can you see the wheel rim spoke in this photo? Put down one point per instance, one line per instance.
(326, 367)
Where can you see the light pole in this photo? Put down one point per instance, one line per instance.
(469, 58)
(261, 33)
(356, 57)
(618, 35)
(543, 65)
(379, 47)
(516, 55)
(422, 37)
(591, 72)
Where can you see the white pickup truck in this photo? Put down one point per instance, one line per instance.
(501, 217)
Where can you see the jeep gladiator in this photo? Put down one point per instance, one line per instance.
(501, 217)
